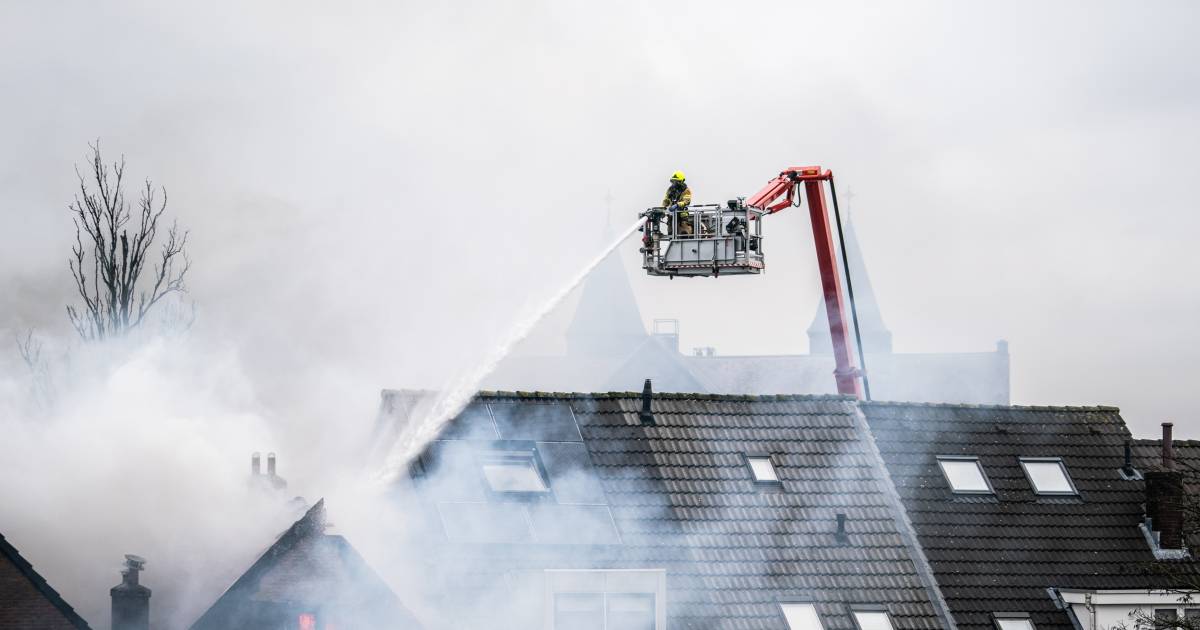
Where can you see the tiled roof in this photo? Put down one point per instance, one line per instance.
(999, 553)
(682, 499)
(1147, 454)
(27, 600)
(307, 570)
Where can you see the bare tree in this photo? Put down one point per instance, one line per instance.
(109, 261)
(32, 351)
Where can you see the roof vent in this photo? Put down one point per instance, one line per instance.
(1127, 470)
(646, 416)
(841, 536)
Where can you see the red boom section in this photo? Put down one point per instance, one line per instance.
(780, 193)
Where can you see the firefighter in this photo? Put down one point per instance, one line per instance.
(679, 197)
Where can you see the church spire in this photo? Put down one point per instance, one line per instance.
(876, 338)
(607, 320)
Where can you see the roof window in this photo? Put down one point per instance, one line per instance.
(964, 474)
(1013, 621)
(801, 616)
(762, 468)
(872, 620)
(514, 472)
(1048, 475)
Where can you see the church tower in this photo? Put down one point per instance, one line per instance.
(876, 338)
(607, 322)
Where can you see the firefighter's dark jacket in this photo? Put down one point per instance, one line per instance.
(679, 194)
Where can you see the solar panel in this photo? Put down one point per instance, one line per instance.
(485, 522)
(543, 422)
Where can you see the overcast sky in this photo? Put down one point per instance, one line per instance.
(375, 189)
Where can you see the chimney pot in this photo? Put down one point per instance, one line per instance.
(646, 416)
(271, 464)
(130, 600)
(1168, 447)
(255, 464)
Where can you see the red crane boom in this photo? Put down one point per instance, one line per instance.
(782, 192)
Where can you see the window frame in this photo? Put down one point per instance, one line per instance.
(606, 582)
(776, 482)
(871, 608)
(978, 465)
(798, 601)
(508, 452)
(1062, 466)
(1020, 616)
(1172, 619)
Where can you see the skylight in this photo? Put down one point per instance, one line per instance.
(872, 620)
(964, 475)
(762, 468)
(801, 616)
(1048, 476)
(513, 474)
(1014, 623)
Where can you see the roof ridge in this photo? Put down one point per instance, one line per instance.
(544, 395)
(40, 584)
(311, 524)
(657, 396)
(540, 395)
(899, 403)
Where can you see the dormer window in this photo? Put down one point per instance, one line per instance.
(762, 469)
(515, 472)
(1048, 475)
(964, 474)
(612, 599)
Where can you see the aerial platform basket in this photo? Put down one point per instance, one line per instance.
(703, 240)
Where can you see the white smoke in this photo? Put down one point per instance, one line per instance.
(415, 435)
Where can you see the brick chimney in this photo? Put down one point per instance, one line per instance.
(130, 600)
(1164, 496)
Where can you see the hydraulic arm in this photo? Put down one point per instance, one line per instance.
(784, 191)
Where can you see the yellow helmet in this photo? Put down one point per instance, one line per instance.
(677, 176)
